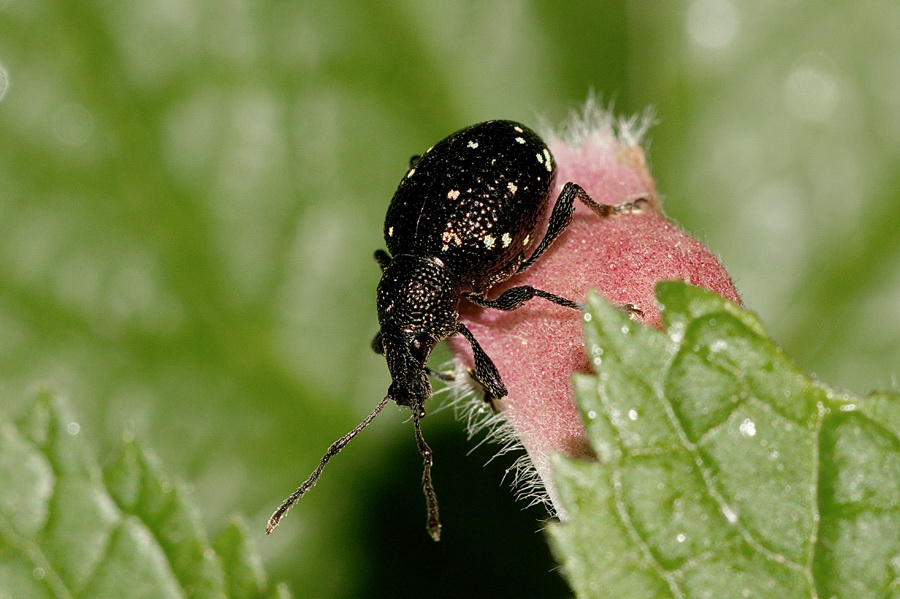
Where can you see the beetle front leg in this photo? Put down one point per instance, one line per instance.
(383, 259)
(485, 372)
(377, 346)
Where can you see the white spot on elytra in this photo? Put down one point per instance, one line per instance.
(540, 158)
(526, 241)
(506, 239)
(521, 140)
(512, 187)
(449, 236)
(489, 241)
(549, 160)
(518, 129)
(472, 144)
(410, 173)
(390, 231)
(452, 194)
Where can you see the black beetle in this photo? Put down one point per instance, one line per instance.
(461, 221)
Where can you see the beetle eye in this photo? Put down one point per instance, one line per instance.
(420, 346)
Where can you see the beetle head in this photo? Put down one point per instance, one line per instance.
(406, 354)
(417, 307)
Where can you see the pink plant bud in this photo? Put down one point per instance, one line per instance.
(538, 347)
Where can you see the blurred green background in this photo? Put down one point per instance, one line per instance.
(191, 191)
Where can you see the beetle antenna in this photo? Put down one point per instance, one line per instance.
(335, 449)
(434, 522)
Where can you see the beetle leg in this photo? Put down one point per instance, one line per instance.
(383, 259)
(633, 312)
(559, 220)
(377, 346)
(565, 208)
(630, 207)
(515, 297)
(448, 376)
(485, 372)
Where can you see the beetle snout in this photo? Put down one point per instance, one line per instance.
(406, 355)
(411, 393)
(410, 385)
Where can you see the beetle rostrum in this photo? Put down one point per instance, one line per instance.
(463, 219)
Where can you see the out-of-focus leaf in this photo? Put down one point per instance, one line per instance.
(69, 530)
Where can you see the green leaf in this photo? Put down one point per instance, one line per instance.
(723, 471)
(68, 529)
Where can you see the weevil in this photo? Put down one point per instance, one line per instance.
(463, 219)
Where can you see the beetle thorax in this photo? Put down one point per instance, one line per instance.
(418, 296)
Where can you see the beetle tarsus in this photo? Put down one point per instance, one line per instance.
(635, 206)
(448, 376)
(633, 312)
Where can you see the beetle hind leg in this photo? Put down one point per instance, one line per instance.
(635, 206)
(564, 209)
(485, 373)
(559, 220)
